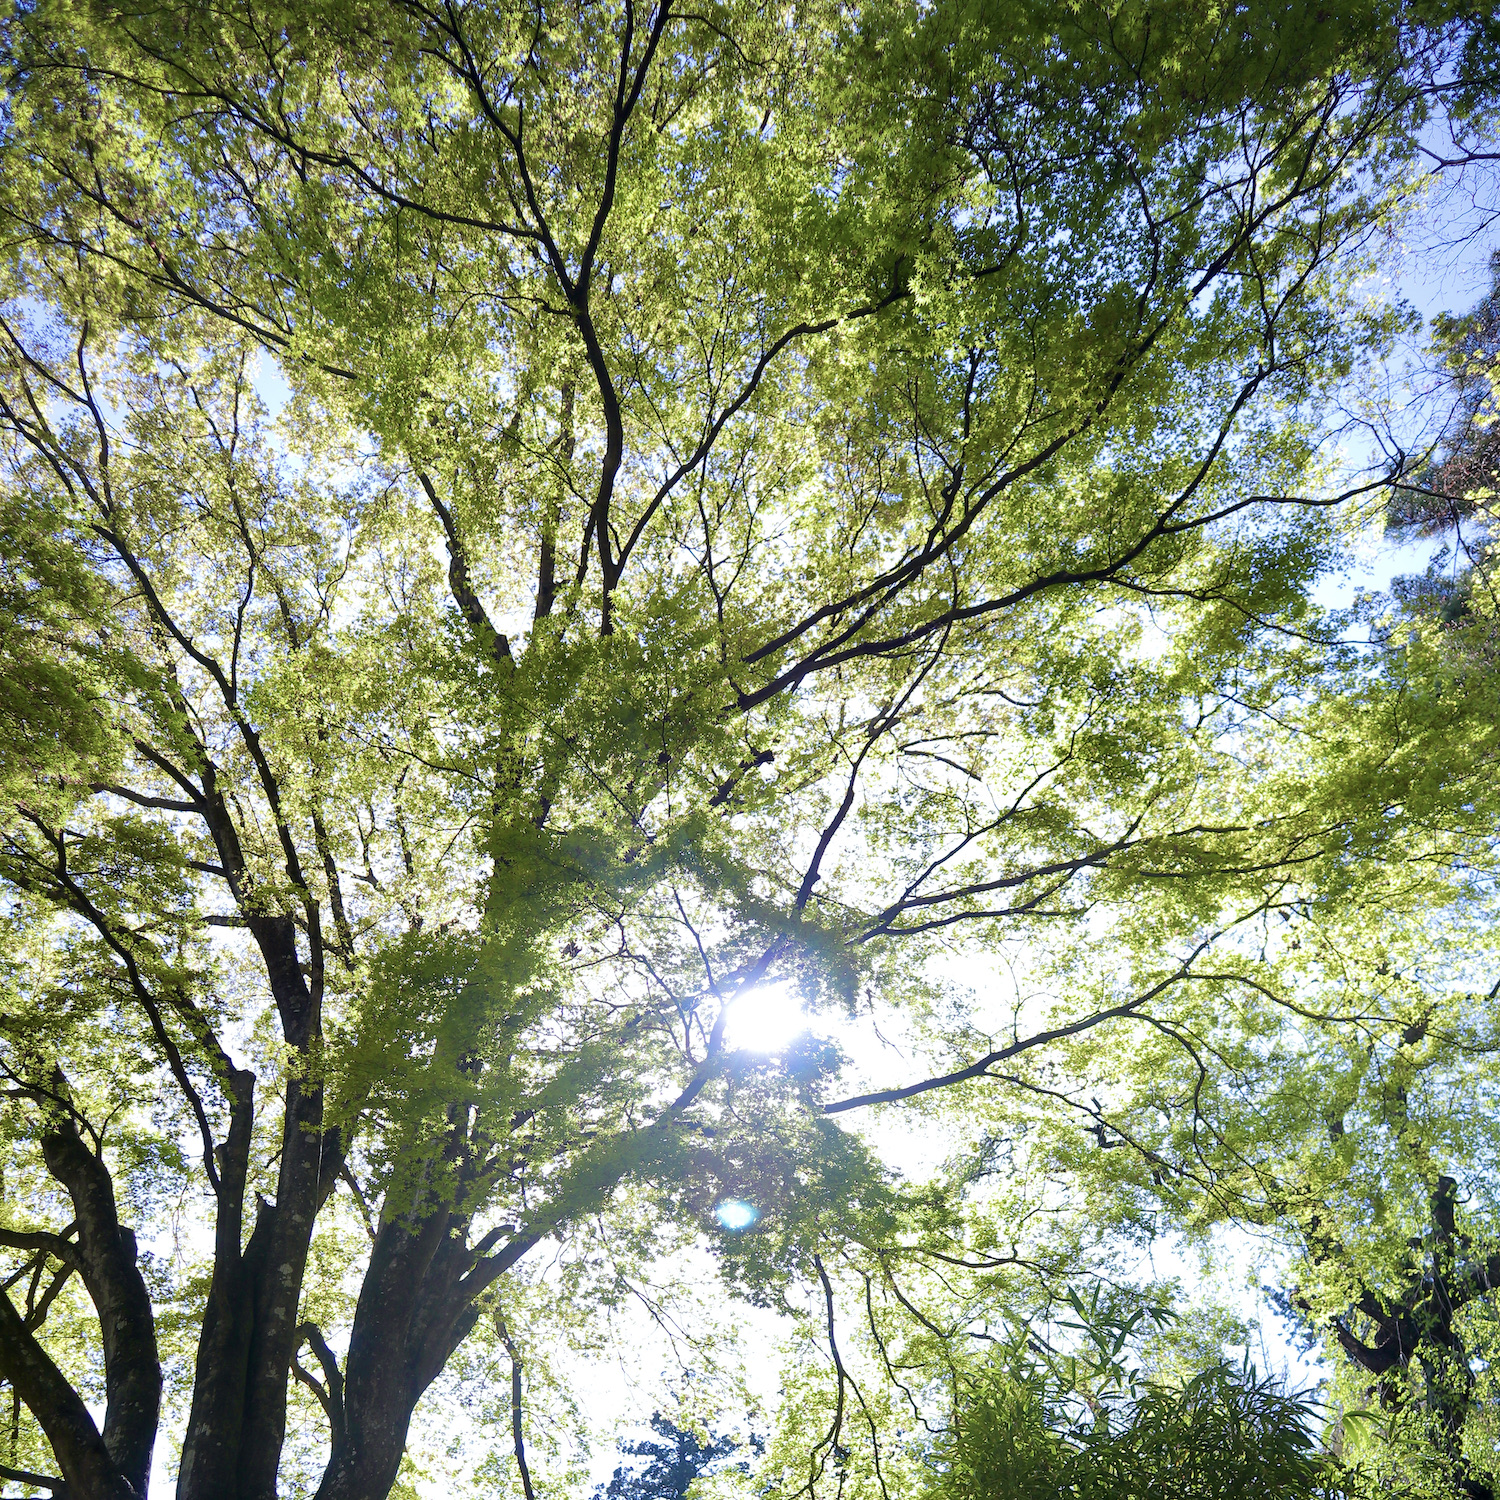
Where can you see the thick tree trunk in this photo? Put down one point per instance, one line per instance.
(411, 1316)
(277, 1291)
(210, 1466)
(114, 1464)
(107, 1263)
(87, 1468)
(237, 1423)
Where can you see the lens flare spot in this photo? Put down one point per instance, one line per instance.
(735, 1213)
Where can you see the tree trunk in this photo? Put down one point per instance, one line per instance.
(237, 1423)
(411, 1315)
(107, 1263)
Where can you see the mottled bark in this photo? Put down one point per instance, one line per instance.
(416, 1306)
(87, 1467)
(237, 1424)
(106, 1259)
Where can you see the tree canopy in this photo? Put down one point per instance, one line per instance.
(530, 529)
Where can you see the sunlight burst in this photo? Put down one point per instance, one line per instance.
(765, 1019)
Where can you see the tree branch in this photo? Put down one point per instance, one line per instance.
(36, 1481)
(517, 1434)
(1039, 1039)
(491, 641)
(87, 1468)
